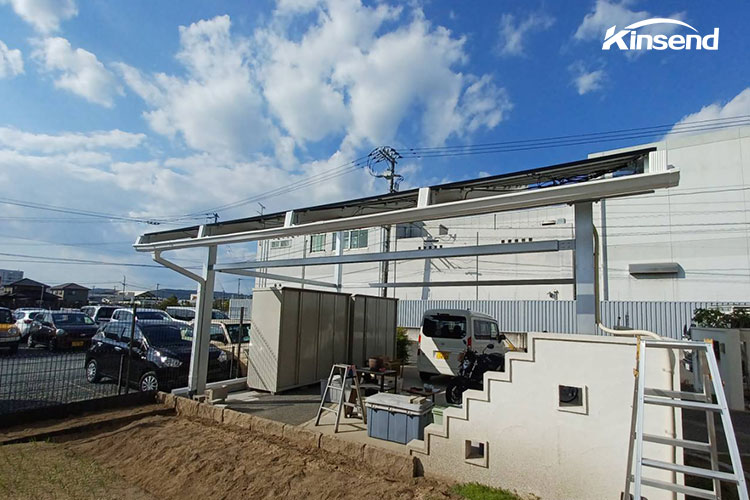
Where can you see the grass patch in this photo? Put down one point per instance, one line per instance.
(476, 491)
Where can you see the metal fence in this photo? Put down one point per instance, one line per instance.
(236, 305)
(37, 378)
(667, 319)
(53, 369)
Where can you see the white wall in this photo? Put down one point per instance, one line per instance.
(702, 225)
(532, 445)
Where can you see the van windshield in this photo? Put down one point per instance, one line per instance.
(444, 326)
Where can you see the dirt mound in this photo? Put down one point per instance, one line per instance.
(178, 458)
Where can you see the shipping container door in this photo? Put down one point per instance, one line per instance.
(341, 330)
(308, 338)
(287, 364)
(325, 334)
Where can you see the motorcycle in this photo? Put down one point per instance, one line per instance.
(471, 371)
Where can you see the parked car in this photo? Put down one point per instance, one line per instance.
(160, 356)
(225, 334)
(24, 317)
(188, 313)
(123, 314)
(10, 337)
(61, 329)
(100, 314)
(446, 333)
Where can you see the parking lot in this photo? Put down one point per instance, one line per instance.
(35, 377)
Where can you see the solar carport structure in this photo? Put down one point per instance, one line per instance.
(578, 183)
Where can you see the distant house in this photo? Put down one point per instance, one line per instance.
(28, 293)
(71, 294)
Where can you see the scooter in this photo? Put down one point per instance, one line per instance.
(471, 371)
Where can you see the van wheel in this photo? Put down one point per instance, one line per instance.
(425, 376)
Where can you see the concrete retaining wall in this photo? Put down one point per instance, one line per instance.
(383, 461)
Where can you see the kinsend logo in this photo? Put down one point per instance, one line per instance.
(629, 38)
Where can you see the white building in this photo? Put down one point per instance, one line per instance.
(8, 276)
(691, 242)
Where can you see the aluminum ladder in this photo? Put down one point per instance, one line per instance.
(344, 371)
(689, 400)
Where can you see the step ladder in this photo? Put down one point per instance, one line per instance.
(689, 400)
(345, 371)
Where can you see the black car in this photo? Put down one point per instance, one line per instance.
(160, 356)
(61, 329)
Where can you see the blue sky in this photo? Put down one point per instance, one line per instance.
(156, 110)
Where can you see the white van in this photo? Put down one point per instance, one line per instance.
(442, 337)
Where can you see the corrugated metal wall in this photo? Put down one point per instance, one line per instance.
(664, 318)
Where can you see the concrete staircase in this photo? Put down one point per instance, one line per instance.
(472, 396)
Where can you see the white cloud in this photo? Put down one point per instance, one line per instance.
(738, 106)
(351, 72)
(512, 34)
(77, 70)
(18, 140)
(11, 61)
(44, 15)
(608, 13)
(586, 80)
(216, 106)
(346, 75)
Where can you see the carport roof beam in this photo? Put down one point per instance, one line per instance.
(518, 282)
(563, 194)
(425, 253)
(279, 277)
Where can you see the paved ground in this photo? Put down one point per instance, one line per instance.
(300, 405)
(34, 378)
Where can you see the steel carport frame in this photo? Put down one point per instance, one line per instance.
(576, 183)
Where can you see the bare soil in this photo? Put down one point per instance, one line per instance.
(171, 458)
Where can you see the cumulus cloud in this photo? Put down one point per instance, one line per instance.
(346, 74)
(11, 61)
(350, 71)
(586, 80)
(513, 33)
(608, 13)
(738, 106)
(19, 140)
(44, 15)
(216, 106)
(77, 71)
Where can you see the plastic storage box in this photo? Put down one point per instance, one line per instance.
(397, 418)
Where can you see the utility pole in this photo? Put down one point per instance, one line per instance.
(123, 287)
(390, 156)
(157, 291)
(238, 287)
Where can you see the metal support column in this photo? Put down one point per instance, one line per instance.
(584, 269)
(202, 326)
(338, 274)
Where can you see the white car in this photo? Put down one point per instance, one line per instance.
(24, 317)
(123, 314)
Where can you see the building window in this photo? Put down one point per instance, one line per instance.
(411, 230)
(318, 242)
(281, 243)
(357, 238)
